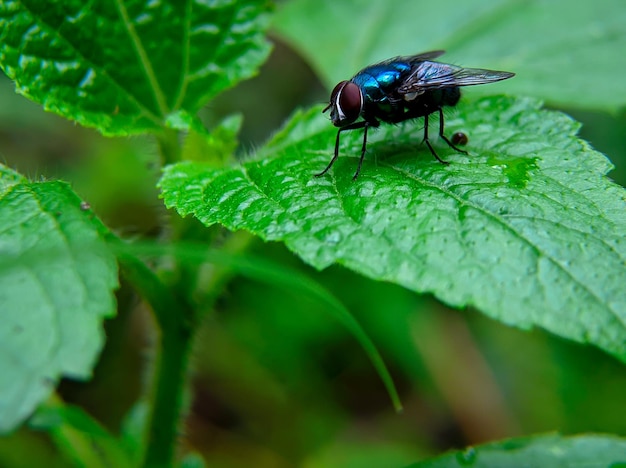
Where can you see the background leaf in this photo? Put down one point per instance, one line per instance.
(527, 228)
(589, 451)
(563, 55)
(146, 60)
(79, 436)
(289, 279)
(56, 286)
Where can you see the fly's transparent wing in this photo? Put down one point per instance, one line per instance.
(413, 59)
(433, 54)
(433, 75)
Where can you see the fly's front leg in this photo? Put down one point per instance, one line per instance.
(332, 161)
(353, 126)
(358, 169)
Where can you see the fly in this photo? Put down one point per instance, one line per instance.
(400, 89)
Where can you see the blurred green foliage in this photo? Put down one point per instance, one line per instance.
(276, 383)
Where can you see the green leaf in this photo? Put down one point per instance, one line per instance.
(526, 228)
(589, 451)
(548, 44)
(217, 146)
(192, 460)
(8, 178)
(123, 66)
(78, 435)
(56, 286)
(133, 430)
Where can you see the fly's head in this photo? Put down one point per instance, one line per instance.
(346, 103)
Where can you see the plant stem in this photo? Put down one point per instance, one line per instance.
(176, 321)
(167, 399)
(173, 317)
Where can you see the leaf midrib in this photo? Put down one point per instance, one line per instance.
(142, 108)
(539, 252)
(146, 64)
(186, 46)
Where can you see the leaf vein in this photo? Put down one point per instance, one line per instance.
(140, 106)
(260, 190)
(570, 228)
(519, 235)
(143, 57)
(186, 46)
(360, 225)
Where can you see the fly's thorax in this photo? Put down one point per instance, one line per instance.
(379, 82)
(346, 103)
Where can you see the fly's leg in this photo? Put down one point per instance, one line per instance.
(450, 144)
(358, 169)
(425, 140)
(353, 126)
(332, 161)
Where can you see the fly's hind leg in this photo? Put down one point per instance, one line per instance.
(450, 144)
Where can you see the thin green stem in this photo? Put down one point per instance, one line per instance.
(209, 288)
(77, 435)
(169, 146)
(230, 261)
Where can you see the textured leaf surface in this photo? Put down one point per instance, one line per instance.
(588, 451)
(563, 55)
(56, 286)
(122, 66)
(527, 228)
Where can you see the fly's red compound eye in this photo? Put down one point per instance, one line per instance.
(349, 101)
(333, 95)
(336, 90)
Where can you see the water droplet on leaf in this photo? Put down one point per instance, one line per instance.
(467, 457)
